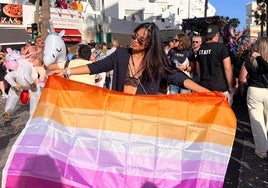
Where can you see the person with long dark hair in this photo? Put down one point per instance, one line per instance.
(140, 68)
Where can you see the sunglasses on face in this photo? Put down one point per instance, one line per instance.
(140, 40)
(176, 40)
(195, 42)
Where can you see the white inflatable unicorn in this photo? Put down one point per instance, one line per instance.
(22, 77)
(55, 49)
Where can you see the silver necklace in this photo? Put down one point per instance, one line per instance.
(133, 75)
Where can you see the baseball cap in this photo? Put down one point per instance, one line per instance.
(211, 31)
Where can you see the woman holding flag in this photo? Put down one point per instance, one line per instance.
(140, 68)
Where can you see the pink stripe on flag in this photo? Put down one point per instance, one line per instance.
(53, 169)
(32, 182)
(137, 182)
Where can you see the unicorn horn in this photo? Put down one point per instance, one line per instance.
(52, 30)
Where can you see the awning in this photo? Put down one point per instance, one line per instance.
(13, 36)
(71, 35)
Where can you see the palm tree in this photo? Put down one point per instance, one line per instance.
(261, 15)
(45, 25)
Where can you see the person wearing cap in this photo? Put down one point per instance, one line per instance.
(214, 64)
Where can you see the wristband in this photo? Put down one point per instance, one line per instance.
(67, 72)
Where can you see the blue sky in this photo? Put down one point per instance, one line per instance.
(233, 9)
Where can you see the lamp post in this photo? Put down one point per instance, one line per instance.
(35, 25)
(189, 9)
(206, 8)
(104, 22)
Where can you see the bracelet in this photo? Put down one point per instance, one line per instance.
(67, 72)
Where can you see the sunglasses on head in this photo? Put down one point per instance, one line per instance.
(139, 39)
(195, 42)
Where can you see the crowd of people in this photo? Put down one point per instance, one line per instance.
(70, 4)
(186, 64)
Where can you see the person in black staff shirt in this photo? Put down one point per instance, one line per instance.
(214, 64)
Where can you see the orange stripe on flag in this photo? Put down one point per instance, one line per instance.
(185, 114)
(137, 124)
(186, 107)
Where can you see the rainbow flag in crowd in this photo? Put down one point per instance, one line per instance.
(85, 136)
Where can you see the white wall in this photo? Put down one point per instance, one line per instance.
(115, 10)
(111, 8)
(115, 26)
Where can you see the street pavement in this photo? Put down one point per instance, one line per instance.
(10, 131)
(245, 169)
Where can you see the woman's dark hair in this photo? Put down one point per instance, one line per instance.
(155, 61)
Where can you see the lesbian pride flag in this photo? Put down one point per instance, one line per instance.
(85, 136)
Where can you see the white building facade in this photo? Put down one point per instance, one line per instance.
(118, 18)
(251, 25)
(167, 14)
